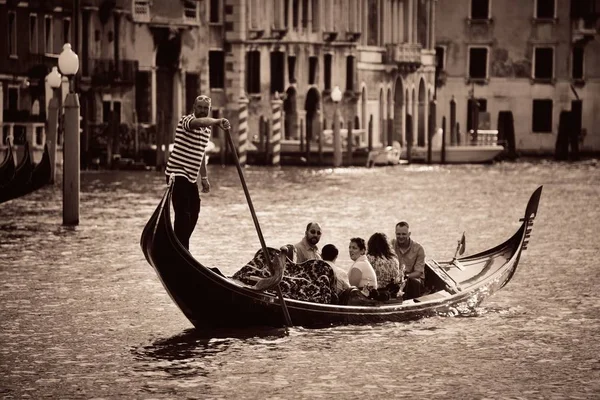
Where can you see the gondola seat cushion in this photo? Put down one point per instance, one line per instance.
(312, 281)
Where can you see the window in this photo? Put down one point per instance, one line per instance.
(33, 34)
(316, 22)
(48, 39)
(111, 111)
(327, 59)
(481, 107)
(253, 72)
(143, 85)
(192, 89)
(372, 25)
(542, 116)
(350, 74)
(216, 66)
(215, 11)
(543, 63)
(106, 109)
(254, 14)
(295, 13)
(286, 8)
(480, 9)
(478, 62)
(13, 98)
(277, 71)
(12, 33)
(577, 68)
(313, 63)
(190, 10)
(440, 59)
(66, 30)
(292, 69)
(583, 9)
(305, 13)
(544, 9)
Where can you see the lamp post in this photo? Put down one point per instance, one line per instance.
(68, 62)
(336, 96)
(54, 79)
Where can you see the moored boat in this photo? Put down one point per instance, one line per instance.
(27, 177)
(7, 166)
(211, 300)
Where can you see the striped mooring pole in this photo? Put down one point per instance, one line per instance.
(242, 130)
(276, 105)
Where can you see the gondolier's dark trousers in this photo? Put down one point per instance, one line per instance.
(186, 203)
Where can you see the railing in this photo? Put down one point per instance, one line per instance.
(405, 53)
(191, 12)
(140, 10)
(108, 72)
(20, 132)
(25, 63)
(483, 137)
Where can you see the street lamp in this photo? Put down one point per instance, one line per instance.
(336, 96)
(54, 80)
(68, 62)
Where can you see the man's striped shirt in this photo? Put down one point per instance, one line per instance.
(188, 150)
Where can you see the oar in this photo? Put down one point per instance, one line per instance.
(286, 314)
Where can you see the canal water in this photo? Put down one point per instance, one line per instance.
(82, 315)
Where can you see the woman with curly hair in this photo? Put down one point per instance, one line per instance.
(384, 261)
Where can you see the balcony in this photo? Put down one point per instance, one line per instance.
(140, 10)
(584, 29)
(109, 72)
(31, 65)
(405, 55)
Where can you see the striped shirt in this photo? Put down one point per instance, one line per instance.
(188, 150)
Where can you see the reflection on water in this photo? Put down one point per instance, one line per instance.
(84, 316)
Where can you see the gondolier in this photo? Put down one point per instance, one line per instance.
(186, 161)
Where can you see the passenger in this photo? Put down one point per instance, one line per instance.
(411, 257)
(330, 254)
(307, 248)
(384, 261)
(361, 273)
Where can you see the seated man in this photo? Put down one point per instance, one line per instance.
(411, 257)
(330, 254)
(307, 248)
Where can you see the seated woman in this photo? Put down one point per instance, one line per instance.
(313, 280)
(385, 263)
(361, 274)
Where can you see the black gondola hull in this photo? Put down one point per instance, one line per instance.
(210, 300)
(28, 178)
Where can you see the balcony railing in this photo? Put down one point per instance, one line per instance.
(25, 64)
(405, 53)
(109, 72)
(140, 10)
(584, 28)
(20, 132)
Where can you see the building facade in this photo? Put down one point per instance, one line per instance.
(143, 62)
(534, 58)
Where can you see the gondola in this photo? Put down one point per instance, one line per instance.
(7, 167)
(28, 177)
(213, 301)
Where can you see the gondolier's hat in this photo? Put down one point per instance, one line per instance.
(204, 100)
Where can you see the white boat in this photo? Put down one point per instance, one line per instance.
(482, 149)
(455, 154)
(389, 155)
